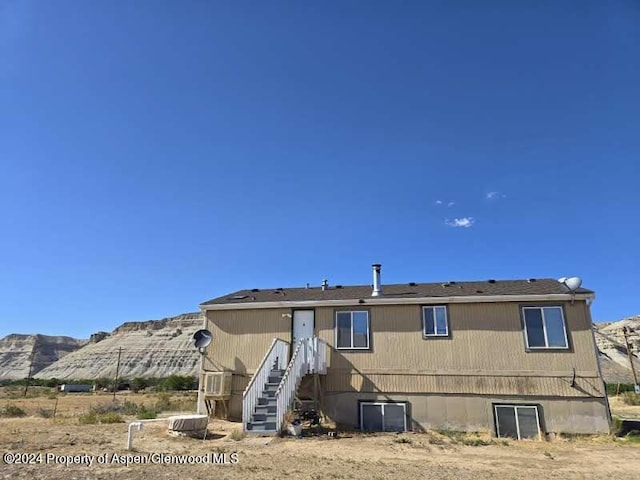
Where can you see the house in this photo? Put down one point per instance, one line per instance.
(517, 357)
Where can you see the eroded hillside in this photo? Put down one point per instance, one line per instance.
(156, 348)
(18, 351)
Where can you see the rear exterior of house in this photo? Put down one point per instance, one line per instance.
(516, 357)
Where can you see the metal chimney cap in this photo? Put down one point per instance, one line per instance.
(377, 287)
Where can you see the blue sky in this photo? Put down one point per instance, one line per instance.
(158, 154)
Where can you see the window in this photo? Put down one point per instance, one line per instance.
(352, 330)
(517, 421)
(383, 417)
(544, 327)
(434, 321)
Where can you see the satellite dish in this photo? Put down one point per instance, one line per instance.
(202, 338)
(572, 283)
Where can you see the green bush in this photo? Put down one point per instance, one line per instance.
(144, 414)
(88, 418)
(111, 417)
(177, 382)
(614, 388)
(138, 384)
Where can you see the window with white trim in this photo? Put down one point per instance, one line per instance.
(517, 421)
(352, 330)
(544, 327)
(434, 321)
(383, 417)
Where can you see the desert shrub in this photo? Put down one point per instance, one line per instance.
(454, 435)
(631, 398)
(110, 417)
(475, 442)
(402, 440)
(12, 411)
(237, 435)
(130, 408)
(51, 383)
(177, 382)
(45, 413)
(145, 414)
(138, 384)
(163, 403)
(106, 408)
(125, 408)
(460, 438)
(88, 418)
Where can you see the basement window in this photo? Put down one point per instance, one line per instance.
(434, 321)
(544, 327)
(517, 421)
(383, 417)
(352, 330)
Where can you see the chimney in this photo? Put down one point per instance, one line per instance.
(377, 288)
(325, 284)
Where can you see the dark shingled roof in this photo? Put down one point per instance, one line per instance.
(541, 286)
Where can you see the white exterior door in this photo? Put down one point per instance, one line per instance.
(303, 325)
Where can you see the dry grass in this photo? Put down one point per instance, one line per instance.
(77, 404)
(427, 455)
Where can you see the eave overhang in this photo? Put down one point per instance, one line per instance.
(557, 297)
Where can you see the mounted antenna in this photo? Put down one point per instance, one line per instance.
(572, 284)
(202, 338)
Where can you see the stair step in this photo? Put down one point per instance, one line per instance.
(270, 387)
(261, 426)
(264, 401)
(276, 373)
(274, 379)
(267, 408)
(269, 393)
(263, 417)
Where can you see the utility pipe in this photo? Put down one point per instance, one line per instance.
(137, 425)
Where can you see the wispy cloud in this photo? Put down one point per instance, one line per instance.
(495, 195)
(451, 204)
(464, 222)
(438, 202)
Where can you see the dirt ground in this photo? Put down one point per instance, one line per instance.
(348, 455)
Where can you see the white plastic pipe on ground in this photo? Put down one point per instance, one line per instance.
(138, 426)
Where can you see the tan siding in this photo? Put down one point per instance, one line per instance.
(483, 337)
(482, 385)
(241, 338)
(485, 353)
